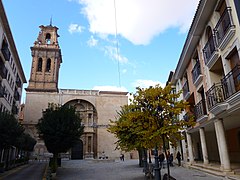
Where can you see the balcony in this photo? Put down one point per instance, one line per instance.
(215, 99)
(196, 74)
(231, 82)
(18, 82)
(2, 91)
(224, 29)
(200, 111)
(186, 93)
(16, 96)
(3, 71)
(14, 109)
(210, 52)
(188, 116)
(6, 53)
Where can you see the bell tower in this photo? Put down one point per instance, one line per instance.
(46, 60)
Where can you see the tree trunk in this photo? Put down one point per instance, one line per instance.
(140, 156)
(145, 163)
(164, 147)
(53, 162)
(7, 159)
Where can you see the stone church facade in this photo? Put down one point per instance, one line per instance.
(95, 107)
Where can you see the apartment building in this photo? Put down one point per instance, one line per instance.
(11, 72)
(208, 73)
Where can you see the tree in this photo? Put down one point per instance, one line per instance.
(60, 128)
(10, 128)
(128, 138)
(25, 142)
(153, 119)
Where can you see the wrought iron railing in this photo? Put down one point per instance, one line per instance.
(200, 109)
(18, 82)
(6, 53)
(14, 109)
(224, 23)
(215, 95)
(3, 71)
(196, 71)
(229, 85)
(185, 89)
(231, 82)
(209, 49)
(2, 91)
(16, 96)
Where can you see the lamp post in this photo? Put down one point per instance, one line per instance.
(158, 113)
(156, 167)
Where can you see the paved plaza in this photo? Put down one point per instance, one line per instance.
(119, 170)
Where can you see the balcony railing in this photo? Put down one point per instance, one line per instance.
(200, 109)
(185, 89)
(223, 25)
(196, 71)
(16, 96)
(215, 95)
(209, 49)
(3, 71)
(2, 91)
(14, 109)
(231, 82)
(18, 82)
(6, 53)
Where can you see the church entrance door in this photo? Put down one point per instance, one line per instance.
(77, 150)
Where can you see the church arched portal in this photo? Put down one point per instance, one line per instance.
(77, 150)
(88, 115)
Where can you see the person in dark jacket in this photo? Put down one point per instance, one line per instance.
(179, 158)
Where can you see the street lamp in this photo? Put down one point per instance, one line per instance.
(156, 166)
(158, 111)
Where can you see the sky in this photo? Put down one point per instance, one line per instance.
(112, 45)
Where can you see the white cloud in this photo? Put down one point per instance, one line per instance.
(112, 52)
(92, 41)
(72, 28)
(138, 20)
(146, 83)
(110, 88)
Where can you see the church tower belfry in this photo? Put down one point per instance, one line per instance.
(46, 60)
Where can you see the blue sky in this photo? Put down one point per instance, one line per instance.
(150, 35)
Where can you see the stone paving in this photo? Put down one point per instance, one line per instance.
(119, 170)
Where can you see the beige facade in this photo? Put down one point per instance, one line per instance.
(96, 108)
(11, 73)
(208, 72)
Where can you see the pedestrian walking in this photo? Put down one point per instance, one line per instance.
(122, 157)
(179, 158)
(161, 159)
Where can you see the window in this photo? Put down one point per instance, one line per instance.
(48, 66)
(89, 115)
(39, 68)
(48, 38)
(5, 51)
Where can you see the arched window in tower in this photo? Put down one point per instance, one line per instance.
(48, 38)
(48, 66)
(39, 67)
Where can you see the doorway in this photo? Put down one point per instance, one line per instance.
(77, 150)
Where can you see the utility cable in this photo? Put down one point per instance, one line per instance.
(117, 48)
